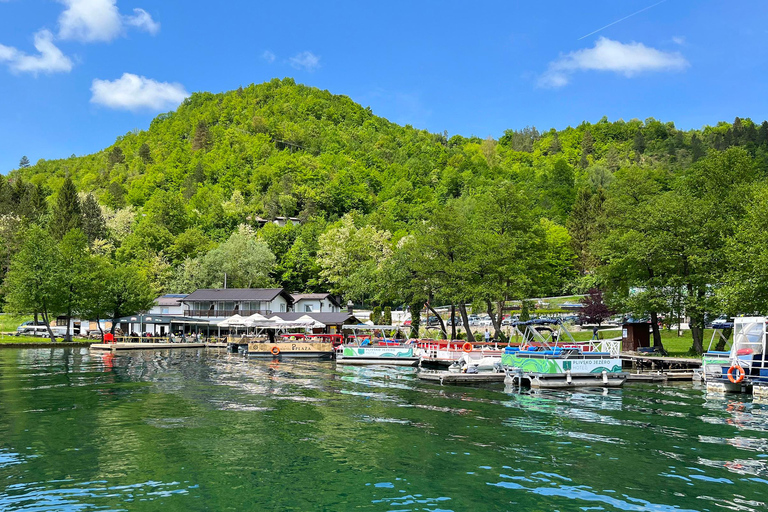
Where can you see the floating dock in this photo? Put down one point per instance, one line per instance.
(115, 347)
(446, 377)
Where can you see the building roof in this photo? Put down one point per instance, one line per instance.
(148, 318)
(324, 318)
(171, 299)
(315, 296)
(237, 294)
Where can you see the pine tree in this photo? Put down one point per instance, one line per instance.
(145, 154)
(24, 162)
(639, 143)
(201, 140)
(116, 156)
(697, 148)
(612, 161)
(587, 147)
(554, 144)
(193, 178)
(67, 211)
(762, 134)
(94, 226)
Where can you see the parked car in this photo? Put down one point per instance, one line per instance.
(29, 327)
(432, 321)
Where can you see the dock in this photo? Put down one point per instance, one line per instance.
(641, 361)
(661, 376)
(446, 377)
(121, 346)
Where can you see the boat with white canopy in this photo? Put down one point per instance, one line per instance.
(376, 344)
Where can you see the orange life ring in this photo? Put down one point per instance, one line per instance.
(275, 350)
(467, 347)
(739, 370)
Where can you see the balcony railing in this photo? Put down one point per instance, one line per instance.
(219, 313)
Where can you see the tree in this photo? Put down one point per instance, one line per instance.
(697, 148)
(116, 156)
(145, 153)
(75, 274)
(33, 282)
(245, 260)
(202, 138)
(126, 292)
(94, 225)
(639, 143)
(24, 162)
(351, 257)
(593, 308)
(67, 211)
(554, 144)
(587, 147)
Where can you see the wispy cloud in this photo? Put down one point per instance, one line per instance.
(143, 21)
(678, 40)
(268, 56)
(100, 20)
(133, 92)
(620, 20)
(49, 60)
(627, 59)
(307, 61)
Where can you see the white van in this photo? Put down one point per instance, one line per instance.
(39, 329)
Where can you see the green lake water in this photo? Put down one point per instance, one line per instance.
(204, 430)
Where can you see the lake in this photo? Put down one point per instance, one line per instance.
(205, 430)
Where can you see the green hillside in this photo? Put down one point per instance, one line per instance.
(393, 215)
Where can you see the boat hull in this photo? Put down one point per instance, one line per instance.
(290, 350)
(585, 363)
(389, 355)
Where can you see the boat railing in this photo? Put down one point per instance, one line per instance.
(158, 339)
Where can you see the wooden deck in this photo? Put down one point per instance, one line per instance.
(660, 361)
(114, 347)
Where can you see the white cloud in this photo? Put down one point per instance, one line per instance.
(143, 21)
(608, 55)
(307, 61)
(133, 92)
(680, 40)
(268, 56)
(90, 20)
(49, 60)
(100, 20)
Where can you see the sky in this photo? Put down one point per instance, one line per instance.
(76, 74)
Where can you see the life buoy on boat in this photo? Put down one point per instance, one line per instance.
(739, 370)
(467, 347)
(275, 350)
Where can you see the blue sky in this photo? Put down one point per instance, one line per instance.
(75, 74)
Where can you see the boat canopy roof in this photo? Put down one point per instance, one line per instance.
(366, 327)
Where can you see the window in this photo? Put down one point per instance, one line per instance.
(164, 311)
(307, 308)
(61, 322)
(282, 308)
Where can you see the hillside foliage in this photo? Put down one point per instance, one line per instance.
(662, 220)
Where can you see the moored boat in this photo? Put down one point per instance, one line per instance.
(376, 344)
(747, 366)
(713, 360)
(551, 358)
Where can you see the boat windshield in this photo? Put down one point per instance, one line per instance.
(748, 337)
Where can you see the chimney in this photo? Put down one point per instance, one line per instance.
(350, 307)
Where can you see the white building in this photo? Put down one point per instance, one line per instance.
(315, 303)
(220, 303)
(169, 304)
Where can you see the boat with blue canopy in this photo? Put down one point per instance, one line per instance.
(549, 357)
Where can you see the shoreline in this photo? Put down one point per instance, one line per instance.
(45, 344)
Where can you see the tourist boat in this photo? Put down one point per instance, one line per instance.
(747, 366)
(713, 360)
(441, 353)
(270, 338)
(364, 347)
(549, 357)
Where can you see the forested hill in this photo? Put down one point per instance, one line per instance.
(391, 214)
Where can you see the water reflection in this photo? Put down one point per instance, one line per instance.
(196, 429)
